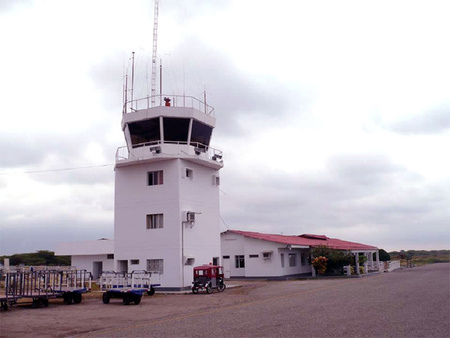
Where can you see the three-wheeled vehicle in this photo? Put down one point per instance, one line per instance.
(208, 277)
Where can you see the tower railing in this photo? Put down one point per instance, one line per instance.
(167, 100)
(123, 153)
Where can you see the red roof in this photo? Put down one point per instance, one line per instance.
(306, 240)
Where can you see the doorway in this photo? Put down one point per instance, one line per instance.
(97, 269)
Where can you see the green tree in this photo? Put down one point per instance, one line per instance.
(384, 256)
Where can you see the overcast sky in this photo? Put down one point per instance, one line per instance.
(333, 116)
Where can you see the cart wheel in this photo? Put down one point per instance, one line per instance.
(194, 290)
(67, 298)
(151, 292)
(209, 288)
(137, 299)
(105, 298)
(126, 300)
(77, 298)
(221, 287)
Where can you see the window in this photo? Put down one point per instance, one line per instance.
(155, 221)
(282, 260)
(253, 256)
(110, 256)
(176, 129)
(134, 261)
(144, 132)
(155, 265)
(240, 261)
(215, 180)
(189, 173)
(190, 261)
(215, 260)
(155, 177)
(303, 258)
(267, 254)
(292, 259)
(226, 257)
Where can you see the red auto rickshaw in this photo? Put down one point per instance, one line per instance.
(208, 277)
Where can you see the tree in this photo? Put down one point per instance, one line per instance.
(384, 256)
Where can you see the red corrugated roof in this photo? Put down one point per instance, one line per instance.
(306, 240)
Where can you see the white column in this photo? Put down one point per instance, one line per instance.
(378, 258)
(371, 260)
(313, 271)
(366, 264)
(357, 262)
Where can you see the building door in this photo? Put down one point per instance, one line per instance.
(122, 266)
(226, 266)
(97, 269)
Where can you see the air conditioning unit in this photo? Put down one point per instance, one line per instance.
(190, 216)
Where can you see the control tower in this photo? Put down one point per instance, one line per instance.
(167, 190)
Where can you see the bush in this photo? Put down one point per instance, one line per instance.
(336, 259)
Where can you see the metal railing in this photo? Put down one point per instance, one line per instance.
(161, 100)
(123, 153)
(121, 280)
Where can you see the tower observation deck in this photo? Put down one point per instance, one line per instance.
(180, 127)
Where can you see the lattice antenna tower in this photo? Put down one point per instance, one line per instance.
(155, 45)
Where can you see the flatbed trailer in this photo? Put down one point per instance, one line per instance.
(39, 286)
(11, 293)
(130, 287)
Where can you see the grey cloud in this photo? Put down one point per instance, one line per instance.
(30, 236)
(7, 5)
(386, 197)
(430, 122)
(363, 169)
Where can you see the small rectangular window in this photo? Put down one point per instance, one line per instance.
(110, 256)
(155, 265)
(190, 261)
(189, 173)
(134, 261)
(240, 261)
(303, 258)
(155, 177)
(253, 256)
(282, 260)
(215, 180)
(226, 257)
(292, 259)
(155, 221)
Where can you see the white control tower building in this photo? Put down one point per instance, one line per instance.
(167, 190)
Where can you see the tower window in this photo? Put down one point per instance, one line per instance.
(134, 261)
(189, 173)
(155, 177)
(155, 221)
(215, 180)
(155, 265)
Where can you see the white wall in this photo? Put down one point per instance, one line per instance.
(85, 262)
(134, 199)
(235, 244)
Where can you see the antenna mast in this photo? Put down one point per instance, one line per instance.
(155, 44)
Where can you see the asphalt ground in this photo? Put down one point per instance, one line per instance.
(407, 303)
